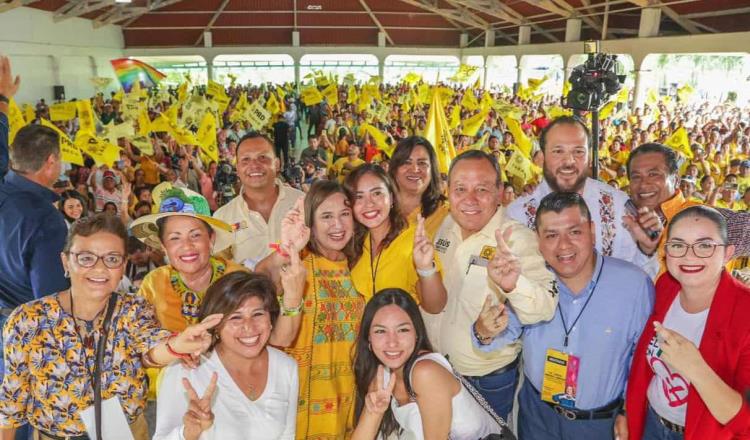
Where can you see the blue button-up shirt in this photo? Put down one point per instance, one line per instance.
(603, 338)
(32, 233)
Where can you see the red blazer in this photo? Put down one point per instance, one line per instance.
(726, 348)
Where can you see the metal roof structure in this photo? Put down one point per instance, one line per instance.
(436, 23)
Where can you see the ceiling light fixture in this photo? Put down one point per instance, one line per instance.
(123, 1)
(314, 7)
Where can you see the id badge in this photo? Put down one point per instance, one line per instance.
(560, 383)
(114, 424)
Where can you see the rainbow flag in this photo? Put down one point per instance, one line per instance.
(130, 71)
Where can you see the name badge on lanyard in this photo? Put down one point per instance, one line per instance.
(560, 383)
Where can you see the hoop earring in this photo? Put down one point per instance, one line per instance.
(369, 346)
(66, 274)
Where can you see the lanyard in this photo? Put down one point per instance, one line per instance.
(591, 294)
(374, 271)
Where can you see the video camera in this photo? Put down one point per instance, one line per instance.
(594, 81)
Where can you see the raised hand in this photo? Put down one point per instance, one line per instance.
(8, 83)
(492, 320)
(293, 279)
(196, 339)
(198, 416)
(378, 400)
(294, 233)
(640, 228)
(504, 268)
(424, 251)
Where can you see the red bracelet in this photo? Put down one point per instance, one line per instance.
(173, 352)
(277, 248)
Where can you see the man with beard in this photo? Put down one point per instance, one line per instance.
(256, 213)
(565, 144)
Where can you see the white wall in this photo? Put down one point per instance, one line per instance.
(47, 53)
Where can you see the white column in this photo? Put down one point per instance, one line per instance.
(295, 38)
(463, 40)
(381, 39)
(649, 26)
(489, 38)
(572, 30)
(524, 34)
(208, 40)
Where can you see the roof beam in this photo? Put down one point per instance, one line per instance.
(13, 4)
(450, 14)
(684, 23)
(377, 22)
(564, 10)
(76, 9)
(128, 12)
(212, 21)
(716, 13)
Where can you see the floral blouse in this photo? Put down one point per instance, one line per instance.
(48, 377)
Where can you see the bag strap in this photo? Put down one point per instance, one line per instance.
(481, 400)
(98, 364)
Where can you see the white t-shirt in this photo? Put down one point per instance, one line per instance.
(272, 416)
(668, 390)
(469, 420)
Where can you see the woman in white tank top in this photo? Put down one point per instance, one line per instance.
(403, 387)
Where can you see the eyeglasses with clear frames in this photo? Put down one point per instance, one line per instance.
(701, 249)
(89, 259)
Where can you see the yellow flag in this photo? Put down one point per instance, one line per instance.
(472, 125)
(566, 88)
(477, 84)
(215, 89)
(623, 95)
(182, 92)
(679, 142)
(463, 73)
(557, 111)
(455, 117)
(469, 101)
(68, 152)
(29, 113)
(258, 116)
(207, 137)
(351, 95)
(486, 102)
(684, 93)
(438, 133)
(519, 166)
(331, 94)
(535, 83)
(222, 102)
(86, 116)
(311, 95)
(119, 95)
(143, 143)
(15, 120)
(100, 150)
(272, 105)
(523, 141)
(144, 123)
(423, 94)
(378, 137)
(412, 78)
(64, 111)
(651, 97)
(607, 109)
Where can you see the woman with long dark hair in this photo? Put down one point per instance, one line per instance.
(387, 252)
(403, 387)
(414, 169)
(73, 206)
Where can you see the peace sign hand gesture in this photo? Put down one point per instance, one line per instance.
(504, 268)
(199, 416)
(378, 400)
(424, 251)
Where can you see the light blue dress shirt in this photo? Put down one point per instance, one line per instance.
(603, 338)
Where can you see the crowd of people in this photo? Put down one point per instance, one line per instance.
(222, 280)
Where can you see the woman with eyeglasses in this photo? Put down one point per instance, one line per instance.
(692, 363)
(81, 354)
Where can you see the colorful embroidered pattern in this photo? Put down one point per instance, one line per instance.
(529, 209)
(608, 228)
(191, 300)
(46, 381)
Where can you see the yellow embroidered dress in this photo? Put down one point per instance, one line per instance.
(330, 323)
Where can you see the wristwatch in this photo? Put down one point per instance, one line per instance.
(4, 99)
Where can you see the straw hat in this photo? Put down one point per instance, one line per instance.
(169, 201)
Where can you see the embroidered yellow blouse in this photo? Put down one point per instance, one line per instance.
(48, 371)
